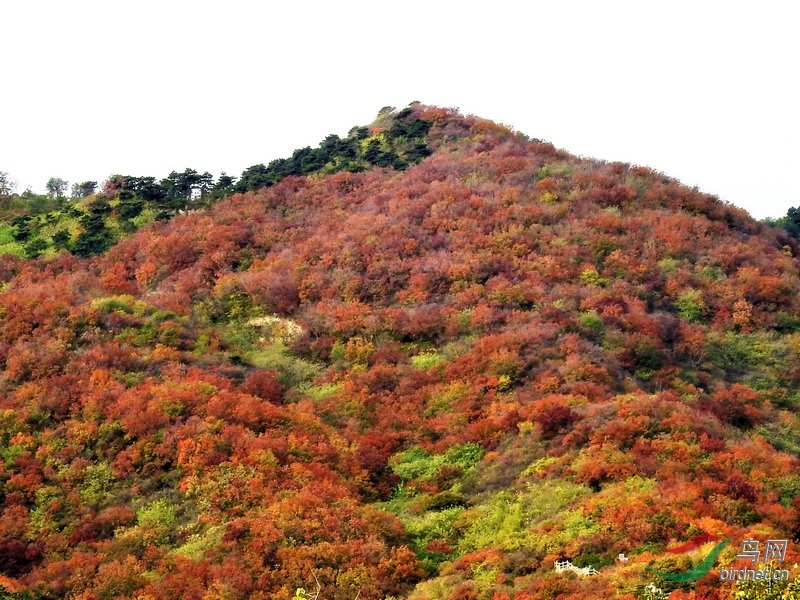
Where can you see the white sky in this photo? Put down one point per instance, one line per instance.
(703, 91)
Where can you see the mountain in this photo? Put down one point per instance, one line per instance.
(431, 379)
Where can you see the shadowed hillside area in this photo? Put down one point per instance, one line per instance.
(425, 361)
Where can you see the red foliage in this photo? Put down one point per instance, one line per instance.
(554, 416)
(264, 385)
(737, 404)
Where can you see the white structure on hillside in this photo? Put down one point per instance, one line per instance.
(565, 565)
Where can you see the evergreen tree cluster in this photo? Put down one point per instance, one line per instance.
(91, 222)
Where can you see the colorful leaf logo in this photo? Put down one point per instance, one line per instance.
(700, 570)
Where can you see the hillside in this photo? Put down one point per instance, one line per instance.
(90, 222)
(431, 382)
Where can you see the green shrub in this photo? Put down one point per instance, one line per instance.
(590, 276)
(125, 304)
(691, 306)
(592, 322)
(415, 463)
(464, 455)
(444, 500)
(786, 322)
(156, 520)
(501, 524)
(426, 360)
(323, 390)
(97, 481)
(712, 273)
(292, 370)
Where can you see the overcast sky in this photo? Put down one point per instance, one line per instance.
(706, 92)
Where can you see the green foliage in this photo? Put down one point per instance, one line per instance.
(56, 187)
(8, 241)
(548, 198)
(430, 526)
(592, 559)
(711, 273)
(691, 306)
(738, 512)
(292, 370)
(10, 453)
(235, 306)
(6, 595)
(28, 205)
(638, 485)
(537, 466)
(147, 216)
(426, 360)
(124, 304)
(416, 463)
(781, 437)
(336, 355)
(198, 544)
(590, 276)
(592, 322)
(463, 455)
(444, 500)
(756, 358)
(323, 390)
(402, 144)
(97, 484)
(786, 322)
(95, 236)
(504, 520)
(443, 400)
(769, 590)
(670, 564)
(788, 488)
(301, 594)
(48, 510)
(45, 226)
(358, 350)
(790, 222)
(145, 335)
(83, 189)
(668, 265)
(155, 521)
(553, 169)
(7, 185)
(500, 523)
